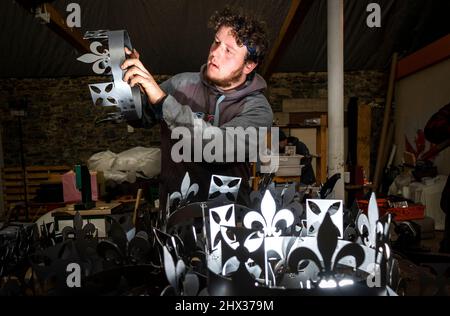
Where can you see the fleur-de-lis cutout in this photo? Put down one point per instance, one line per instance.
(270, 218)
(50, 265)
(185, 191)
(220, 216)
(242, 252)
(163, 216)
(79, 232)
(256, 197)
(224, 186)
(367, 225)
(316, 211)
(99, 59)
(289, 201)
(174, 272)
(108, 62)
(389, 270)
(99, 34)
(114, 251)
(327, 241)
(173, 243)
(139, 247)
(181, 281)
(277, 250)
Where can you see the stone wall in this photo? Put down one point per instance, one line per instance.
(59, 127)
(367, 86)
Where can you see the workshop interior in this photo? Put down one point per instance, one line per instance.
(357, 205)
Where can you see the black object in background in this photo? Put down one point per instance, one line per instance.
(83, 180)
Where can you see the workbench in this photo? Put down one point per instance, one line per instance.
(64, 216)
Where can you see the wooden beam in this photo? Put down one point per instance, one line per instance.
(70, 34)
(425, 57)
(363, 139)
(58, 25)
(321, 150)
(386, 123)
(291, 24)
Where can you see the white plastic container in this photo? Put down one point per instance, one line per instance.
(431, 198)
(415, 189)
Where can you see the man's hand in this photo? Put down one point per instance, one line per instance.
(137, 74)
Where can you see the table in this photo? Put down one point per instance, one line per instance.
(64, 216)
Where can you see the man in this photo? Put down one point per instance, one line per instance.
(225, 93)
(437, 131)
(307, 176)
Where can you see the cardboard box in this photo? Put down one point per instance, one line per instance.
(289, 160)
(289, 165)
(289, 171)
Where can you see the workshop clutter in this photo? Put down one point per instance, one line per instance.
(214, 248)
(127, 165)
(402, 210)
(426, 192)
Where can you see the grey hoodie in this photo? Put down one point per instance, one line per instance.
(190, 96)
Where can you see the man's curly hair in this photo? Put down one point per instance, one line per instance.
(246, 30)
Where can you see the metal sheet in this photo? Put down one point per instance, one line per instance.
(117, 93)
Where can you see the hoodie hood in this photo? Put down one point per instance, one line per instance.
(255, 83)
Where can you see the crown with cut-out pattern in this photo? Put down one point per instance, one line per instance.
(269, 251)
(106, 56)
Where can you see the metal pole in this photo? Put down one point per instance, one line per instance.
(335, 46)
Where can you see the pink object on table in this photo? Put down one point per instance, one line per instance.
(70, 191)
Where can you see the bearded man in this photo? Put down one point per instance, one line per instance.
(226, 93)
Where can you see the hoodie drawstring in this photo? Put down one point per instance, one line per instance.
(217, 112)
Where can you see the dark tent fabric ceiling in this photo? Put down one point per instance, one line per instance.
(172, 35)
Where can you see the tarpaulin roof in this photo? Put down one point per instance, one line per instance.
(172, 35)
